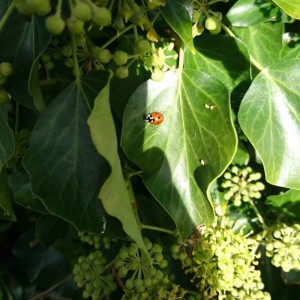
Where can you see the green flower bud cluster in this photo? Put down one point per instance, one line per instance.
(205, 18)
(160, 60)
(28, 7)
(153, 4)
(283, 245)
(223, 265)
(96, 240)
(91, 275)
(242, 185)
(143, 277)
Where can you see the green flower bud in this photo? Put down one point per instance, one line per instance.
(6, 69)
(105, 56)
(82, 12)
(101, 16)
(4, 96)
(122, 272)
(120, 57)
(55, 24)
(75, 25)
(122, 72)
(142, 46)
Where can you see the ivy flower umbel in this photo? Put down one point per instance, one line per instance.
(283, 245)
(242, 185)
(223, 265)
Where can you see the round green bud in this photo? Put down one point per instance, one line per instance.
(101, 16)
(133, 265)
(211, 23)
(120, 57)
(104, 56)
(4, 96)
(6, 69)
(118, 23)
(68, 62)
(49, 65)
(82, 12)
(67, 52)
(122, 272)
(42, 7)
(122, 72)
(158, 257)
(133, 249)
(55, 24)
(24, 8)
(123, 253)
(75, 25)
(129, 284)
(142, 46)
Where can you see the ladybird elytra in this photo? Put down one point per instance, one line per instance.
(154, 118)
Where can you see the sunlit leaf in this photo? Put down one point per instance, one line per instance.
(263, 41)
(114, 193)
(290, 7)
(270, 117)
(183, 155)
(223, 57)
(65, 169)
(245, 13)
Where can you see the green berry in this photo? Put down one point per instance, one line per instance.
(122, 72)
(67, 52)
(123, 253)
(118, 24)
(41, 7)
(101, 16)
(82, 12)
(122, 272)
(4, 97)
(142, 46)
(6, 69)
(104, 56)
(120, 57)
(55, 24)
(75, 25)
(211, 23)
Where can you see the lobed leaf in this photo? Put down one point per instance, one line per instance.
(183, 155)
(269, 116)
(114, 192)
(65, 169)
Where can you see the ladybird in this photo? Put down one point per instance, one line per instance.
(154, 118)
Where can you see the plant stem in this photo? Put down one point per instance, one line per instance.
(253, 61)
(117, 36)
(181, 57)
(17, 118)
(7, 14)
(40, 296)
(259, 216)
(157, 229)
(74, 56)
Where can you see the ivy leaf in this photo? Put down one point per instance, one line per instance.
(183, 155)
(223, 57)
(21, 44)
(264, 41)
(114, 192)
(269, 116)
(65, 169)
(177, 13)
(245, 13)
(286, 205)
(290, 7)
(7, 141)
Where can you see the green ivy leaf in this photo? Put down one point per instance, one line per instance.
(269, 116)
(264, 41)
(177, 13)
(223, 57)
(6, 207)
(65, 169)
(7, 140)
(245, 13)
(286, 205)
(290, 7)
(114, 192)
(183, 155)
(22, 42)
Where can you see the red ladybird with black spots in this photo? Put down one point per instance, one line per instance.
(154, 118)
